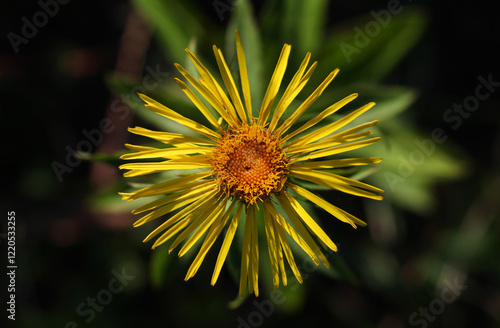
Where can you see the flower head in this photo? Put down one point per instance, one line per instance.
(237, 173)
(249, 164)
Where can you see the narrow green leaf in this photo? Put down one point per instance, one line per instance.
(294, 295)
(367, 49)
(390, 101)
(159, 265)
(175, 25)
(237, 302)
(309, 24)
(413, 162)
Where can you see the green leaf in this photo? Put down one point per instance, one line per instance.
(272, 21)
(412, 163)
(380, 268)
(159, 265)
(364, 53)
(341, 270)
(295, 296)
(174, 23)
(390, 101)
(364, 173)
(307, 24)
(299, 23)
(238, 301)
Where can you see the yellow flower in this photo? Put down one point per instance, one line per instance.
(243, 164)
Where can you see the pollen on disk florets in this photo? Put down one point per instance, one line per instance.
(249, 163)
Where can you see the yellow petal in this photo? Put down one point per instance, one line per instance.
(293, 89)
(245, 84)
(332, 127)
(306, 104)
(226, 102)
(304, 233)
(168, 186)
(327, 112)
(338, 182)
(167, 112)
(165, 210)
(204, 211)
(289, 256)
(198, 227)
(138, 148)
(209, 96)
(272, 246)
(274, 84)
(163, 166)
(336, 163)
(197, 102)
(291, 231)
(212, 235)
(196, 205)
(229, 83)
(327, 143)
(202, 160)
(168, 152)
(226, 244)
(204, 225)
(338, 138)
(254, 255)
(279, 254)
(309, 222)
(169, 138)
(246, 253)
(333, 210)
(190, 190)
(212, 85)
(338, 149)
(352, 131)
(135, 173)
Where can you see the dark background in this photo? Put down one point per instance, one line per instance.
(55, 87)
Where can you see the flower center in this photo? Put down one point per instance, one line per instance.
(249, 163)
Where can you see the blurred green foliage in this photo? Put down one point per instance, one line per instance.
(437, 224)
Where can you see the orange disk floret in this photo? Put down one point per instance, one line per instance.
(249, 163)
